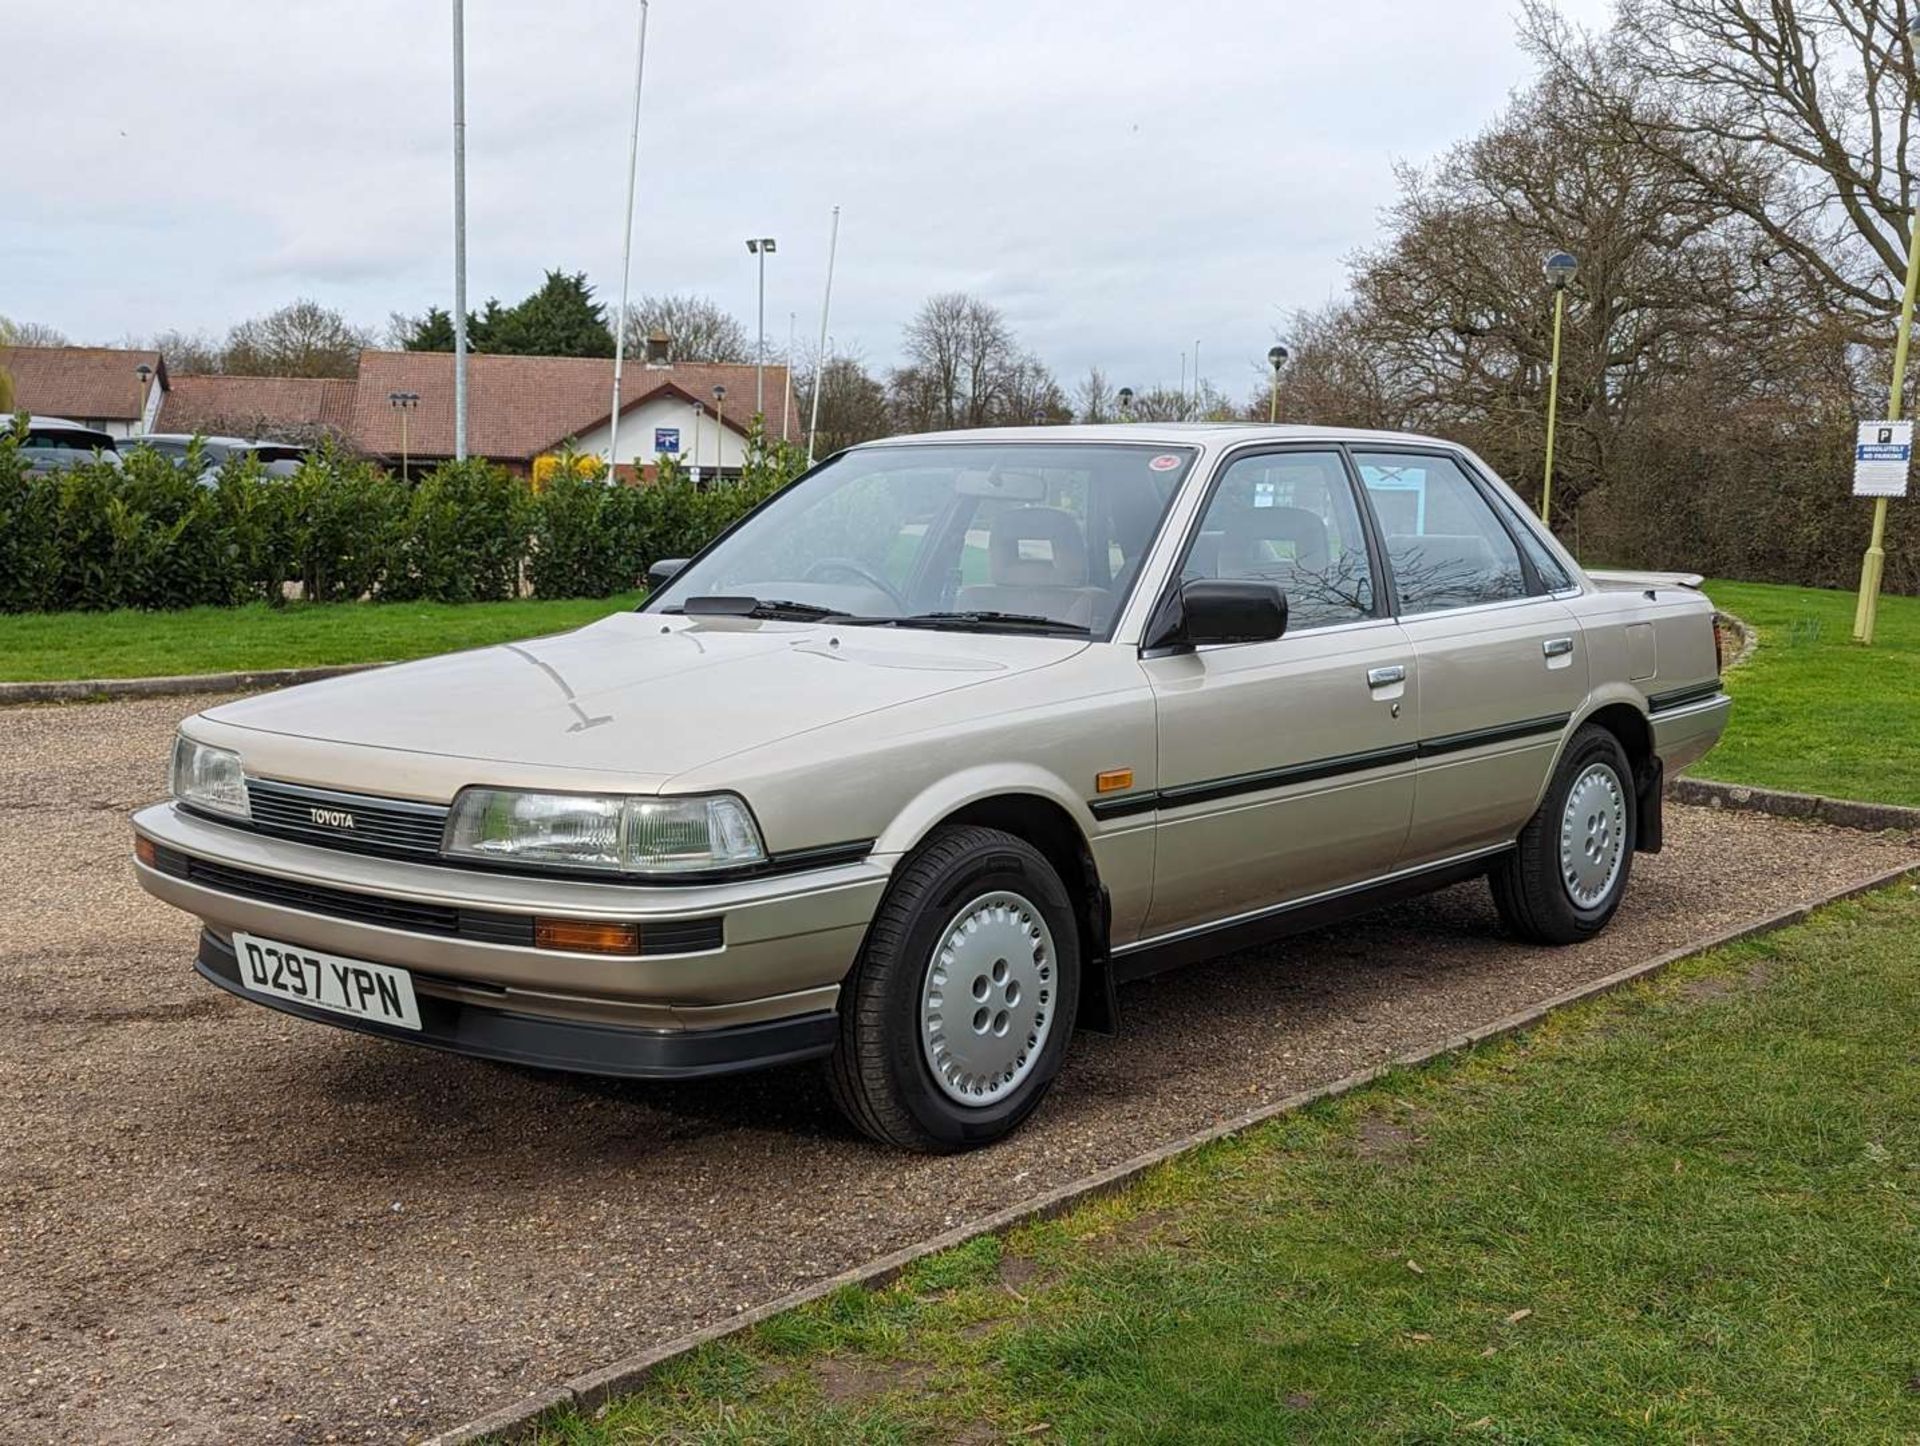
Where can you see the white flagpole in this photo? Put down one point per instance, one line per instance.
(820, 364)
(626, 255)
(459, 232)
(786, 407)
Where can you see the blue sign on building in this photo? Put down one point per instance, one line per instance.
(666, 439)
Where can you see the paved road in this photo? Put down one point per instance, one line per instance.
(220, 1224)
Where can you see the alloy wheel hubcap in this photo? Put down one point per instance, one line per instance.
(986, 1007)
(1593, 835)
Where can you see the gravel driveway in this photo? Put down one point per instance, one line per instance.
(221, 1224)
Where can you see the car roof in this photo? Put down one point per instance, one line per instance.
(1211, 434)
(187, 437)
(61, 424)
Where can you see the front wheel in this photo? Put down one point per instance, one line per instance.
(1568, 872)
(956, 1017)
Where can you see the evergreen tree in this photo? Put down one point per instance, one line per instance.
(560, 319)
(432, 332)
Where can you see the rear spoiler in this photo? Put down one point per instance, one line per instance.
(1620, 580)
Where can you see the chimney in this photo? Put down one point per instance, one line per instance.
(659, 344)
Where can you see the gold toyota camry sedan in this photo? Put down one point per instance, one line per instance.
(912, 767)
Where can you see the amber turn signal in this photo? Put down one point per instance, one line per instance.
(144, 851)
(586, 936)
(1113, 780)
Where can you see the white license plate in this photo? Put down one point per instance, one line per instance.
(326, 981)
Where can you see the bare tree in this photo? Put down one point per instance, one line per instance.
(1333, 377)
(188, 353)
(698, 330)
(1094, 398)
(1029, 395)
(1796, 115)
(853, 404)
(959, 352)
(30, 333)
(302, 339)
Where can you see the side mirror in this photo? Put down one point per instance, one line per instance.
(661, 573)
(1209, 611)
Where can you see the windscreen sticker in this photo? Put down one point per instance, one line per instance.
(1165, 462)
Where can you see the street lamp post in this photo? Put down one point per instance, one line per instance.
(763, 247)
(403, 402)
(719, 429)
(699, 411)
(145, 373)
(1276, 358)
(1559, 268)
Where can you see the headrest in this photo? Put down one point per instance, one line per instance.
(1447, 557)
(1296, 525)
(1036, 547)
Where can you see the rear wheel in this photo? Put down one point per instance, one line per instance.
(1567, 875)
(957, 1015)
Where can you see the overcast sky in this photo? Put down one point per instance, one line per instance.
(1121, 178)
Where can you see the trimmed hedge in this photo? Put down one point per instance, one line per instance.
(147, 534)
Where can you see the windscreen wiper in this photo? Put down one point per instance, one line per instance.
(758, 607)
(981, 622)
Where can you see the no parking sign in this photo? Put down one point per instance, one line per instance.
(1882, 453)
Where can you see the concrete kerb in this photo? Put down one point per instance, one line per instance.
(93, 690)
(1840, 812)
(590, 1391)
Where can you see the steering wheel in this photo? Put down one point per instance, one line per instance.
(856, 568)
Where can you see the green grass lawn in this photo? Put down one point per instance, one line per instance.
(1813, 710)
(1686, 1212)
(35, 646)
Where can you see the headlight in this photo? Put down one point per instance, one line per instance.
(606, 832)
(209, 777)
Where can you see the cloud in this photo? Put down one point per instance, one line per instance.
(1121, 177)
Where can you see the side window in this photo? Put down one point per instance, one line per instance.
(1444, 543)
(1289, 518)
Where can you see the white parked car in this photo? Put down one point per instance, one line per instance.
(911, 768)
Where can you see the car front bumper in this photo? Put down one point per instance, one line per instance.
(576, 1045)
(773, 970)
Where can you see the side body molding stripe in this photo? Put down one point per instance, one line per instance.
(1208, 790)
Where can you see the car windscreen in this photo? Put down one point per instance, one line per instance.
(54, 439)
(917, 533)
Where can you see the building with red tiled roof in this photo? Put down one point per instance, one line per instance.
(98, 385)
(288, 409)
(519, 407)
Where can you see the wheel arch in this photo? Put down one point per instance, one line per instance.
(1037, 808)
(1623, 713)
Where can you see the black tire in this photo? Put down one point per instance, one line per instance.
(1534, 899)
(878, 1074)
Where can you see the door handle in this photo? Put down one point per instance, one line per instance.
(1557, 647)
(1386, 677)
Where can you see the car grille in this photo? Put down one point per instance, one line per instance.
(395, 828)
(665, 936)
